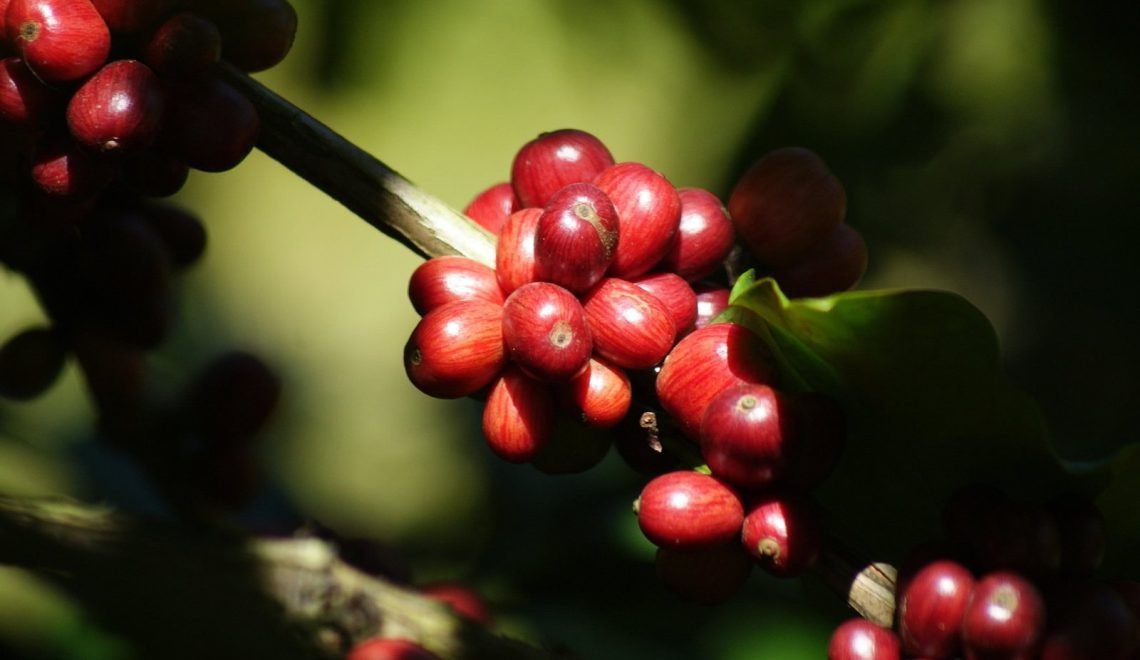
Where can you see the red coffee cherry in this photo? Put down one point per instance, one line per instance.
(60, 40)
(572, 447)
(677, 296)
(154, 174)
(180, 232)
(859, 639)
(441, 280)
(1005, 618)
(553, 161)
(706, 362)
(118, 109)
(514, 253)
(785, 204)
(746, 435)
(208, 124)
(649, 212)
(62, 169)
(386, 648)
(185, 45)
(30, 363)
(704, 236)
(835, 264)
(712, 299)
(457, 349)
(493, 206)
(26, 102)
(601, 393)
(576, 237)
(545, 331)
(519, 416)
(129, 16)
(257, 34)
(782, 534)
(931, 608)
(704, 575)
(631, 328)
(687, 509)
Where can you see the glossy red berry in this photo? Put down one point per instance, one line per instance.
(457, 349)
(687, 509)
(118, 110)
(785, 204)
(60, 40)
(704, 236)
(441, 280)
(835, 264)
(185, 45)
(545, 332)
(518, 417)
(704, 575)
(677, 296)
(649, 212)
(747, 435)
(514, 253)
(385, 648)
(25, 101)
(553, 161)
(859, 639)
(712, 299)
(576, 237)
(1005, 618)
(631, 328)
(782, 535)
(493, 206)
(601, 393)
(62, 169)
(931, 608)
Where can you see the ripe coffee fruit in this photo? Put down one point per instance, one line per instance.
(782, 534)
(687, 509)
(704, 236)
(931, 608)
(457, 349)
(208, 124)
(185, 45)
(631, 328)
(386, 648)
(553, 161)
(785, 204)
(518, 417)
(127, 16)
(441, 280)
(25, 101)
(747, 434)
(257, 34)
(62, 169)
(117, 110)
(835, 264)
(493, 206)
(706, 362)
(601, 393)
(1004, 618)
(859, 639)
(576, 237)
(649, 212)
(514, 253)
(677, 296)
(60, 40)
(545, 332)
(712, 299)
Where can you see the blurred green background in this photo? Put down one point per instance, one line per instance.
(988, 147)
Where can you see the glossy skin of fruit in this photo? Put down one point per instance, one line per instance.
(601, 393)
(60, 40)
(677, 296)
(649, 212)
(493, 206)
(456, 349)
(747, 435)
(25, 101)
(931, 608)
(782, 534)
(704, 236)
(441, 280)
(518, 417)
(117, 110)
(859, 639)
(1005, 618)
(687, 509)
(631, 328)
(576, 237)
(835, 264)
(514, 253)
(185, 45)
(553, 161)
(712, 299)
(545, 332)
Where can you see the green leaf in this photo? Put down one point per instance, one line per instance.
(929, 408)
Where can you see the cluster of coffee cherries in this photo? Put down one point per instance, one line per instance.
(600, 270)
(1013, 579)
(105, 107)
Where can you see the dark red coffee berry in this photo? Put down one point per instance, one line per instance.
(208, 124)
(514, 253)
(572, 448)
(30, 363)
(386, 648)
(859, 639)
(631, 328)
(518, 417)
(747, 434)
(553, 161)
(62, 169)
(576, 237)
(687, 509)
(25, 101)
(1005, 618)
(704, 575)
(712, 299)
(185, 45)
(257, 34)
(785, 204)
(649, 212)
(677, 296)
(782, 534)
(835, 264)
(601, 393)
(493, 206)
(545, 332)
(457, 349)
(117, 110)
(441, 280)
(233, 397)
(154, 174)
(931, 608)
(60, 40)
(703, 238)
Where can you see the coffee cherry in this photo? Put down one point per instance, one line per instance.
(386, 648)
(785, 204)
(257, 34)
(154, 174)
(712, 299)
(706, 362)
(441, 280)
(704, 575)
(456, 349)
(704, 236)
(180, 231)
(493, 206)
(859, 639)
(545, 331)
(233, 397)
(185, 45)
(30, 363)
(62, 170)
(931, 608)
(463, 600)
(26, 102)
(130, 16)
(745, 435)
(677, 296)
(208, 124)
(649, 212)
(576, 237)
(514, 253)
(631, 328)
(553, 161)
(1004, 618)
(118, 109)
(782, 534)
(687, 509)
(601, 393)
(835, 264)
(572, 447)
(60, 40)
(519, 416)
